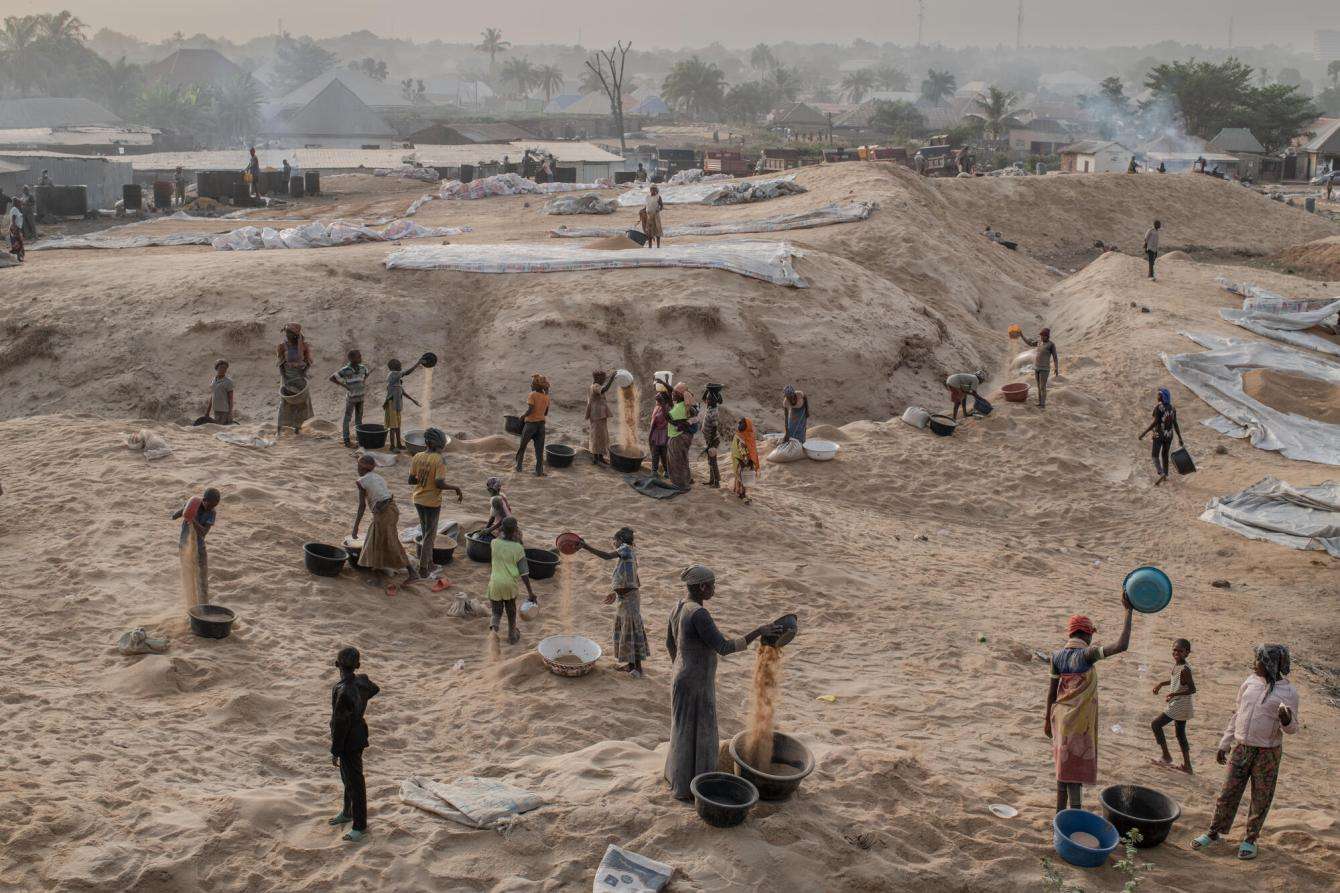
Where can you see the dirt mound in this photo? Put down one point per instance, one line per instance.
(1296, 394)
(1319, 259)
(613, 243)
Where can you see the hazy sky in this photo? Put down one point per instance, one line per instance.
(697, 22)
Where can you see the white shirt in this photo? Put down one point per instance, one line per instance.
(15, 217)
(1152, 239)
(654, 204)
(1255, 722)
(374, 485)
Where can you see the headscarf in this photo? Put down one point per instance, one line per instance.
(697, 574)
(789, 391)
(295, 328)
(494, 484)
(1274, 660)
(1080, 624)
(1165, 397)
(434, 437)
(750, 442)
(538, 382)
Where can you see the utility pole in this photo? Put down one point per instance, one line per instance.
(1019, 29)
(921, 20)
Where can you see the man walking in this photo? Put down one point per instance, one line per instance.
(1152, 245)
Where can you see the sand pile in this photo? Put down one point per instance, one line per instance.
(1296, 394)
(613, 243)
(1319, 259)
(937, 566)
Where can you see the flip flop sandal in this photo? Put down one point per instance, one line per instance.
(391, 590)
(1203, 842)
(440, 584)
(1246, 851)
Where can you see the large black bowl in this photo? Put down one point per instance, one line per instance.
(211, 621)
(543, 563)
(1129, 806)
(789, 626)
(559, 455)
(441, 554)
(792, 761)
(478, 546)
(371, 436)
(723, 800)
(625, 462)
(324, 560)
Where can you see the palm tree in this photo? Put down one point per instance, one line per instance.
(520, 74)
(21, 57)
(237, 109)
(784, 83)
(493, 44)
(1333, 72)
(997, 111)
(549, 78)
(167, 108)
(761, 58)
(892, 78)
(695, 86)
(937, 86)
(121, 85)
(857, 84)
(62, 26)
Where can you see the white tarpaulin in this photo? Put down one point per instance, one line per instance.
(139, 241)
(582, 204)
(498, 184)
(1275, 316)
(824, 216)
(409, 172)
(472, 801)
(1216, 377)
(327, 235)
(1297, 517)
(769, 261)
(695, 175)
(717, 192)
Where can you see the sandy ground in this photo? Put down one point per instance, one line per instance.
(926, 572)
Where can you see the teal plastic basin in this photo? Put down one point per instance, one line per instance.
(1148, 589)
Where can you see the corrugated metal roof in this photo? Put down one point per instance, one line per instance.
(187, 66)
(7, 167)
(372, 92)
(350, 159)
(46, 111)
(335, 112)
(76, 136)
(1330, 135)
(1236, 139)
(1089, 147)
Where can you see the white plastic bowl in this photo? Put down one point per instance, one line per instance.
(622, 378)
(555, 647)
(821, 450)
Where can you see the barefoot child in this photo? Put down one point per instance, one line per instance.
(220, 409)
(1179, 707)
(349, 738)
(381, 550)
(1267, 709)
(395, 402)
(353, 377)
(500, 508)
(425, 476)
(630, 636)
(508, 566)
(1072, 706)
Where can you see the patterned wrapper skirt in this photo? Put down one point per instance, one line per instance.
(630, 636)
(382, 548)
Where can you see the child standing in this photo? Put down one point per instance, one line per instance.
(1267, 709)
(508, 566)
(630, 635)
(1179, 707)
(500, 508)
(395, 402)
(1072, 706)
(353, 377)
(220, 409)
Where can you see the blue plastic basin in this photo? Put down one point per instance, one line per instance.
(1067, 822)
(1148, 589)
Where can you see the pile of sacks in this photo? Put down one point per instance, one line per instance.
(582, 204)
(409, 172)
(326, 235)
(695, 175)
(509, 184)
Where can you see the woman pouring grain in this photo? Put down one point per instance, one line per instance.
(694, 642)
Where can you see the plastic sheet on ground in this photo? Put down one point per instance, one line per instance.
(769, 261)
(409, 172)
(499, 184)
(718, 192)
(624, 871)
(582, 204)
(326, 235)
(246, 440)
(1274, 316)
(476, 802)
(1216, 377)
(827, 215)
(104, 242)
(1272, 510)
(695, 175)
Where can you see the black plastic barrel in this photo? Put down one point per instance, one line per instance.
(295, 187)
(242, 195)
(312, 182)
(163, 194)
(132, 196)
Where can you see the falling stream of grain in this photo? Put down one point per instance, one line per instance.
(628, 400)
(190, 570)
(426, 399)
(762, 705)
(565, 593)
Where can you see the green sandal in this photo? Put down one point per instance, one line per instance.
(1246, 850)
(1203, 841)
(341, 819)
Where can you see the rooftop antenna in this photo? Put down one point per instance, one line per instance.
(921, 20)
(1019, 28)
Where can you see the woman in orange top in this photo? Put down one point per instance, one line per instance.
(532, 430)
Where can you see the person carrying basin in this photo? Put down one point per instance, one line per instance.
(1164, 427)
(963, 385)
(1044, 357)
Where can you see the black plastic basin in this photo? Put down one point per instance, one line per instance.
(211, 621)
(624, 461)
(775, 783)
(1146, 810)
(723, 800)
(478, 546)
(324, 560)
(543, 563)
(441, 554)
(559, 455)
(371, 436)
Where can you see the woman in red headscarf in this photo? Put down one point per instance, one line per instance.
(1072, 706)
